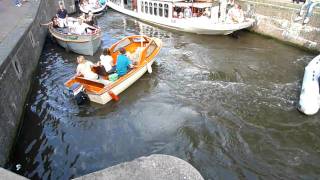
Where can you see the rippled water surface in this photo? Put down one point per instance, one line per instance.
(225, 105)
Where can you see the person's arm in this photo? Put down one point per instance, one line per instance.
(46, 24)
(129, 63)
(78, 73)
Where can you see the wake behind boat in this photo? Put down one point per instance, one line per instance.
(143, 50)
(183, 16)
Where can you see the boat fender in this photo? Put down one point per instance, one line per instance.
(113, 96)
(149, 68)
(309, 103)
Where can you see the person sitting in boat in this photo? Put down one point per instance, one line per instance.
(84, 69)
(90, 20)
(62, 14)
(84, 3)
(187, 12)
(123, 63)
(83, 16)
(56, 25)
(82, 28)
(102, 2)
(175, 14)
(206, 13)
(105, 65)
(54, 22)
(235, 15)
(94, 3)
(215, 14)
(180, 15)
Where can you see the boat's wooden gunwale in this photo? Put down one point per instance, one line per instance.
(84, 38)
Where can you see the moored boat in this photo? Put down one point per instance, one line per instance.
(143, 48)
(93, 8)
(309, 102)
(86, 44)
(163, 13)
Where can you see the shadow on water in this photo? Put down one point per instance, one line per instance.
(226, 105)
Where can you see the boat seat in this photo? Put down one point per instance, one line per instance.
(100, 81)
(134, 57)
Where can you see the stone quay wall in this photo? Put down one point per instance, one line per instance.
(19, 55)
(276, 19)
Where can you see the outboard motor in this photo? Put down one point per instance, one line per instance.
(78, 92)
(309, 103)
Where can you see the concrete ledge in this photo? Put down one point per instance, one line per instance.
(7, 175)
(154, 167)
(276, 19)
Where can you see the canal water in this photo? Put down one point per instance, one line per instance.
(226, 105)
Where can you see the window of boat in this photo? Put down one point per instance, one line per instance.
(123, 43)
(151, 48)
(142, 7)
(166, 10)
(150, 8)
(138, 39)
(160, 10)
(155, 9)
(146, 7)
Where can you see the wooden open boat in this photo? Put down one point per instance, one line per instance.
(81, 44)
(86, 9)
(99, 92)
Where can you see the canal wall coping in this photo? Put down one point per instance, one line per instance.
(276, 19)
(20, 49)
(7, 175)
(21, 43)
(154, 167)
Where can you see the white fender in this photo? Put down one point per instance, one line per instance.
(149, 68)
(309, 102)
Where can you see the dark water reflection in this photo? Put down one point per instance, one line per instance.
(227, 106)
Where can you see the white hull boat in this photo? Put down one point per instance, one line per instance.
(92, 8)
(81, 44)
(309, 102)
(160, 13)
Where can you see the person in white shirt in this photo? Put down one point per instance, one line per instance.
(80, 27)
(223, 10)
(235, 15)
(105, 65)
(187, 12)
(84, 69)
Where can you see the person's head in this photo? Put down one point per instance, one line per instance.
(61, 6)
(54, 19)
(122, 50)
(106, 52)
(81, 60)
(90, 13)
